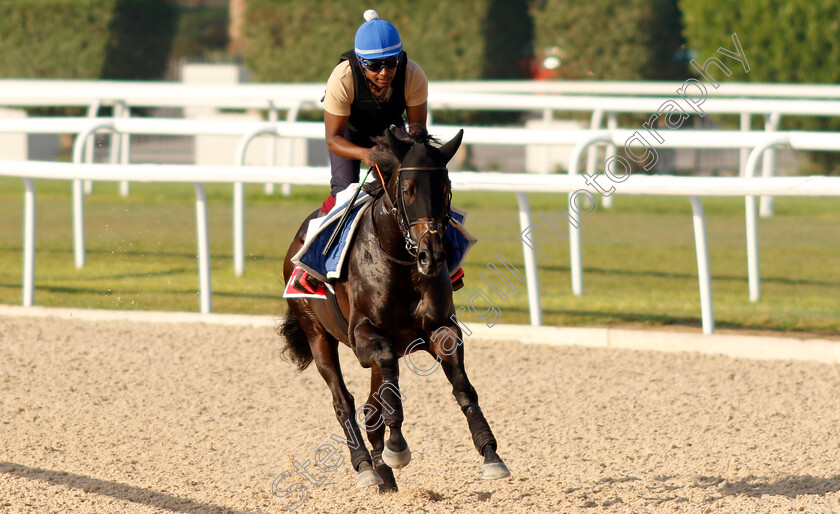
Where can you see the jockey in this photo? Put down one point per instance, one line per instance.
(367, 92)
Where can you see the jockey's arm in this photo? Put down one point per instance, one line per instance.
(417, 114)
(334, 128)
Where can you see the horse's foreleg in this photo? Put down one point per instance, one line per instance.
(374, 349)
(446, 345)
(325, 353)
(375, 426)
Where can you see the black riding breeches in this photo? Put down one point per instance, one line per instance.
(344, 171)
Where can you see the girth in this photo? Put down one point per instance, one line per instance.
(337, 316)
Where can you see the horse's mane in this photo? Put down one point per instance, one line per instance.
(383, 156)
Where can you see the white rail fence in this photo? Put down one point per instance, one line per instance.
(248, 131)
(520, 184)
(604, 100)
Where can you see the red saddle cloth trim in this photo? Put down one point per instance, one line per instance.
(458, 274)
(299, 287)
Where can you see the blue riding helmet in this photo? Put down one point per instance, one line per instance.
(376, 38)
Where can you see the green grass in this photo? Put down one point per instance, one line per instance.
(639, 262)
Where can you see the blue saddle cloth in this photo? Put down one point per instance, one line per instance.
(457, 240)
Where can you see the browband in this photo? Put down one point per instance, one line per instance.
(423, 168)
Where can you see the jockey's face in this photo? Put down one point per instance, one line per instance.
(382, 78)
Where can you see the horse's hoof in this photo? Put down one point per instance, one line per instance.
(389, 484)
(368, 478)
(494, 471)
(396, 460)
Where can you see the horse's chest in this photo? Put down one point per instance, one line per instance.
(431, 314)
(403, 313)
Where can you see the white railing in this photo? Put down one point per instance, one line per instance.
(82, 91)
(282, 97)
(521, 184)
(564, 96)
(582, 139)
(639, 88)
(602, 99)
(247, 131)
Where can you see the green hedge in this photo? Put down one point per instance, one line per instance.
(784, 41)
(54, 38)
(611, 39)
(201, 32)
(85, 39)
(293, 41)
(141, 39)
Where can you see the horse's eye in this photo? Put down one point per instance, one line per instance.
(409, 191)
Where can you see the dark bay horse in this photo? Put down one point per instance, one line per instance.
(396, 297)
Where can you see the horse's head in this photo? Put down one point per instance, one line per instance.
(418, 187)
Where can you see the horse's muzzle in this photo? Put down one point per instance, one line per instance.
(431, 256)
(430, 264)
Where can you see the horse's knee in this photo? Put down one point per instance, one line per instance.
(378, 352)
(386, 358)
(372, 348)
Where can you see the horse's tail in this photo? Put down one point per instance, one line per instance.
(296, 348)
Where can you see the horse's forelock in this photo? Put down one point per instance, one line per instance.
(383, 157)
(382, 154)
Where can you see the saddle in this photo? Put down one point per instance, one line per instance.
(327, 266)
(311, 256)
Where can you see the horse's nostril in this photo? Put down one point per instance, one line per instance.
(423, 257)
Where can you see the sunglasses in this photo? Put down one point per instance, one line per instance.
(376, 65)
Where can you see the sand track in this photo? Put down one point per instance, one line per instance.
(136, 417)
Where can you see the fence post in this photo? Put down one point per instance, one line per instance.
(530, 257)
(612, 124)
(78, 193)
(239, 197)
(121, 110)
(93, 111)
(750, 217)
(202, 240)
(575, 253)
(704, 276)
(746, 126)
(29, 243)
(271, 158)
(771, 124)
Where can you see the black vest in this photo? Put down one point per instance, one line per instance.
(370, 117)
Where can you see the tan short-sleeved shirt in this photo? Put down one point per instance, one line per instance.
(341, 89)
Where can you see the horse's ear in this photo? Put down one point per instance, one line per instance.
(399, 147)
(449, 148)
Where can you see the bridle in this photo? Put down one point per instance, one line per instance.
(401, 215)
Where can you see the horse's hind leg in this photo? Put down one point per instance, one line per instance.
(325, 353)
(447, 345)
(375, 426)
